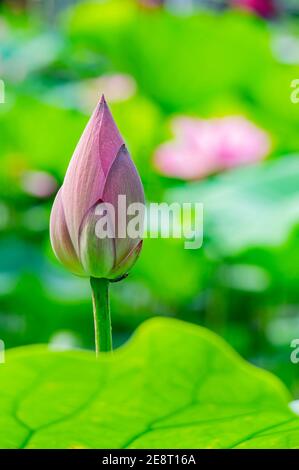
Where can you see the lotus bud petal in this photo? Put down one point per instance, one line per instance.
(99, 172)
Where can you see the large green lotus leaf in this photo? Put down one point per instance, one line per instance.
(247, 207)
(174, 385)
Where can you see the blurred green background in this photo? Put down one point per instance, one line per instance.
(157, 62)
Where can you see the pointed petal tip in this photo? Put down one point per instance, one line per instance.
(103, 100)
(101, 107)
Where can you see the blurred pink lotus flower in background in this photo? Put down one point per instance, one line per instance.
(116, 88)
(265, 8)
(38, 183)
(202, 147)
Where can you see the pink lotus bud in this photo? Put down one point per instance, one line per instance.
(99, 172)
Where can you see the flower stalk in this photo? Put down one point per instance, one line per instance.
(101, 314)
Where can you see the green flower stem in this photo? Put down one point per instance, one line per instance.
(101, 313)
